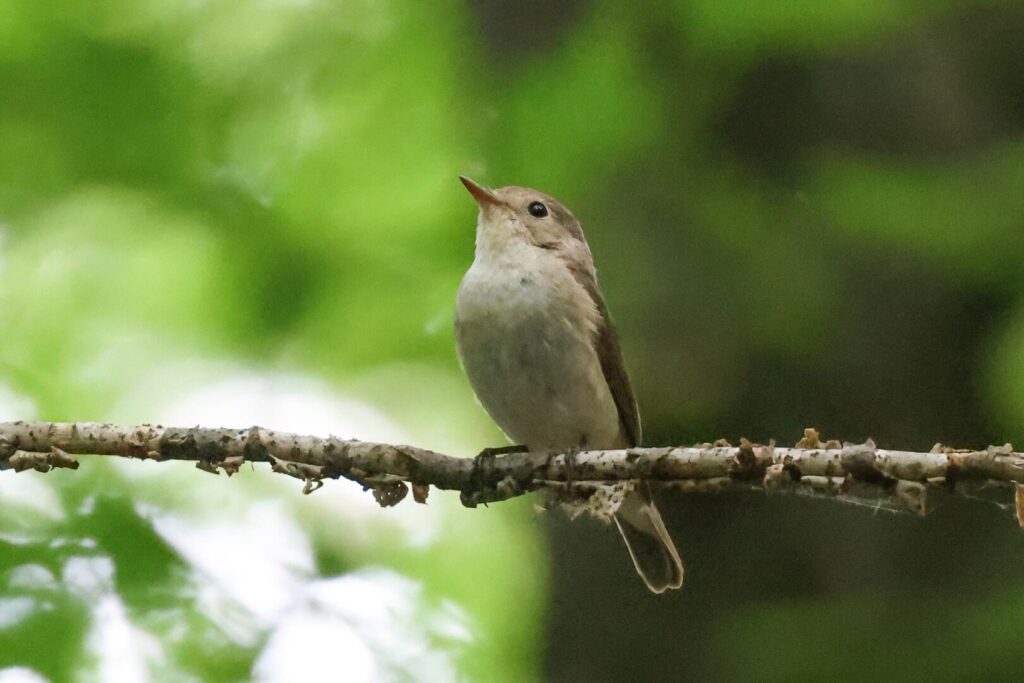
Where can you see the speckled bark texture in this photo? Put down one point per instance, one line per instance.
(855, 473)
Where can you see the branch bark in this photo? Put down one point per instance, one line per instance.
(856, 473)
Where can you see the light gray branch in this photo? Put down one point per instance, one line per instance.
(857, 473)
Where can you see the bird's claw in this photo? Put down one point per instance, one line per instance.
(483, 462)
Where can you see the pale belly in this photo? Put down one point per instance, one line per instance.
(529, 356)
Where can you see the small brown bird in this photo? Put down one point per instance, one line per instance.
(533, 334)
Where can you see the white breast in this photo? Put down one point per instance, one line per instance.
(524, 333)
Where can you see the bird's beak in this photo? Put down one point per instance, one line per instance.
(483, 195)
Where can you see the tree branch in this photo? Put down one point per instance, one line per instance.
(857, 473)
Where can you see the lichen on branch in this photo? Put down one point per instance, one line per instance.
(855, 473)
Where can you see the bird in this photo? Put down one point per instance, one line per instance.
(534, 337)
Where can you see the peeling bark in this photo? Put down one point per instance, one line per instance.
(855, 473)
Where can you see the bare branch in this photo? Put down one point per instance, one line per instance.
(856, 473)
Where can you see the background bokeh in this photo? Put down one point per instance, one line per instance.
(229, 212)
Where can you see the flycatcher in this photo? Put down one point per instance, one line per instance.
(533, 334)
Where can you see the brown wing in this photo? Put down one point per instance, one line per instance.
(607, 347)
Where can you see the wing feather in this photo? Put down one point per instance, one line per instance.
(606, 343)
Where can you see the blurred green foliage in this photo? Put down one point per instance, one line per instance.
(803, 213)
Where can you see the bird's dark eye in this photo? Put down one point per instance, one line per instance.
(537, 210)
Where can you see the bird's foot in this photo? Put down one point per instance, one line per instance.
(483, 462)
(570, 463)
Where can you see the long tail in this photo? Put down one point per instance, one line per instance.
(650, 546)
